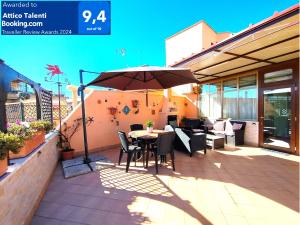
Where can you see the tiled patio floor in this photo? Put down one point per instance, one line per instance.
(246, 186)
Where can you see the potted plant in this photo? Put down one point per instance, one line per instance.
(27, 135)
(149, 125)
(39, 132)
(67, 151)
(66, 135)
(41, 126)
(8, 142)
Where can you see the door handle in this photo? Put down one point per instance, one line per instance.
(261, 117)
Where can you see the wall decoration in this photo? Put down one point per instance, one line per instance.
(99, 101)
(119, 103)
(135, 103)
(137, 111)
(196, 89)
(105, 100)
(117, 123)
(172, 109)
(185, 104)
(153, 111)
(126, 110)
(113, 111)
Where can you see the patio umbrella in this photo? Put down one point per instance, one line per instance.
(144, 78)
(136, 78)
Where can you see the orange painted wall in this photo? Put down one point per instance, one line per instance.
(103, 132)
(192, 106)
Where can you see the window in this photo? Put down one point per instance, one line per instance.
(210, 103)
(280, 75)
(230, 99)
(247, 98)
(204, 100)
(215, 100)
(235, 98)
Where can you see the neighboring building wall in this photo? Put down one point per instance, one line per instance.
(223, 36)
(102, 133)
(210, 37)
(22, 190)
(190, 41)
(184, 44)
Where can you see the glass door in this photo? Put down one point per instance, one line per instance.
(277, 128)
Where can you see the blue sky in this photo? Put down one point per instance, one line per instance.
(138, 26)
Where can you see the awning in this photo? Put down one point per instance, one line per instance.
(272, 41)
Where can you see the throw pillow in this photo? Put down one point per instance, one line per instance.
(237, 126)
(219, 126)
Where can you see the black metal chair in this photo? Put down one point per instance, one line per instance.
(164, 145)
(134, 127)
(137, 126)
(128, 148)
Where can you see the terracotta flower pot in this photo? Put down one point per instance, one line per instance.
(3, 166)
(66, 155)
(29, 145)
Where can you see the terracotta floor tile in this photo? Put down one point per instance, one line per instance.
(241, 186)
(235, 219)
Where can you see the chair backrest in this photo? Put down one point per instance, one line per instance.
(169, 128)
(123, 140)
(134, 127)
(173, 123)
(193, 123)
(165, 142)
(172, 118)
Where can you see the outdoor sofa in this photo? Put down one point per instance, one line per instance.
(233, 131)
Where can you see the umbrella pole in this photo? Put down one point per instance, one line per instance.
(81, 89)
(147, 97)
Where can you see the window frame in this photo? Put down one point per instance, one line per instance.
(237, 77)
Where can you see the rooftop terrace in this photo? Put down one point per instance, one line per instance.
(243, 186)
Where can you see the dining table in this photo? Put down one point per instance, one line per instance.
(147, 138)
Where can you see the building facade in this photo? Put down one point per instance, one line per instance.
(251, 76)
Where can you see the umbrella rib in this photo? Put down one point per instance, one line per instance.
(130, 81)
(151, 79)
(159, 82)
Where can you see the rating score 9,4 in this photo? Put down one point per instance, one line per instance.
(88, 16)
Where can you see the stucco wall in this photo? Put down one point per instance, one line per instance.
(183, 44)
(22, 190)
(190, 41)
(102, 133)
